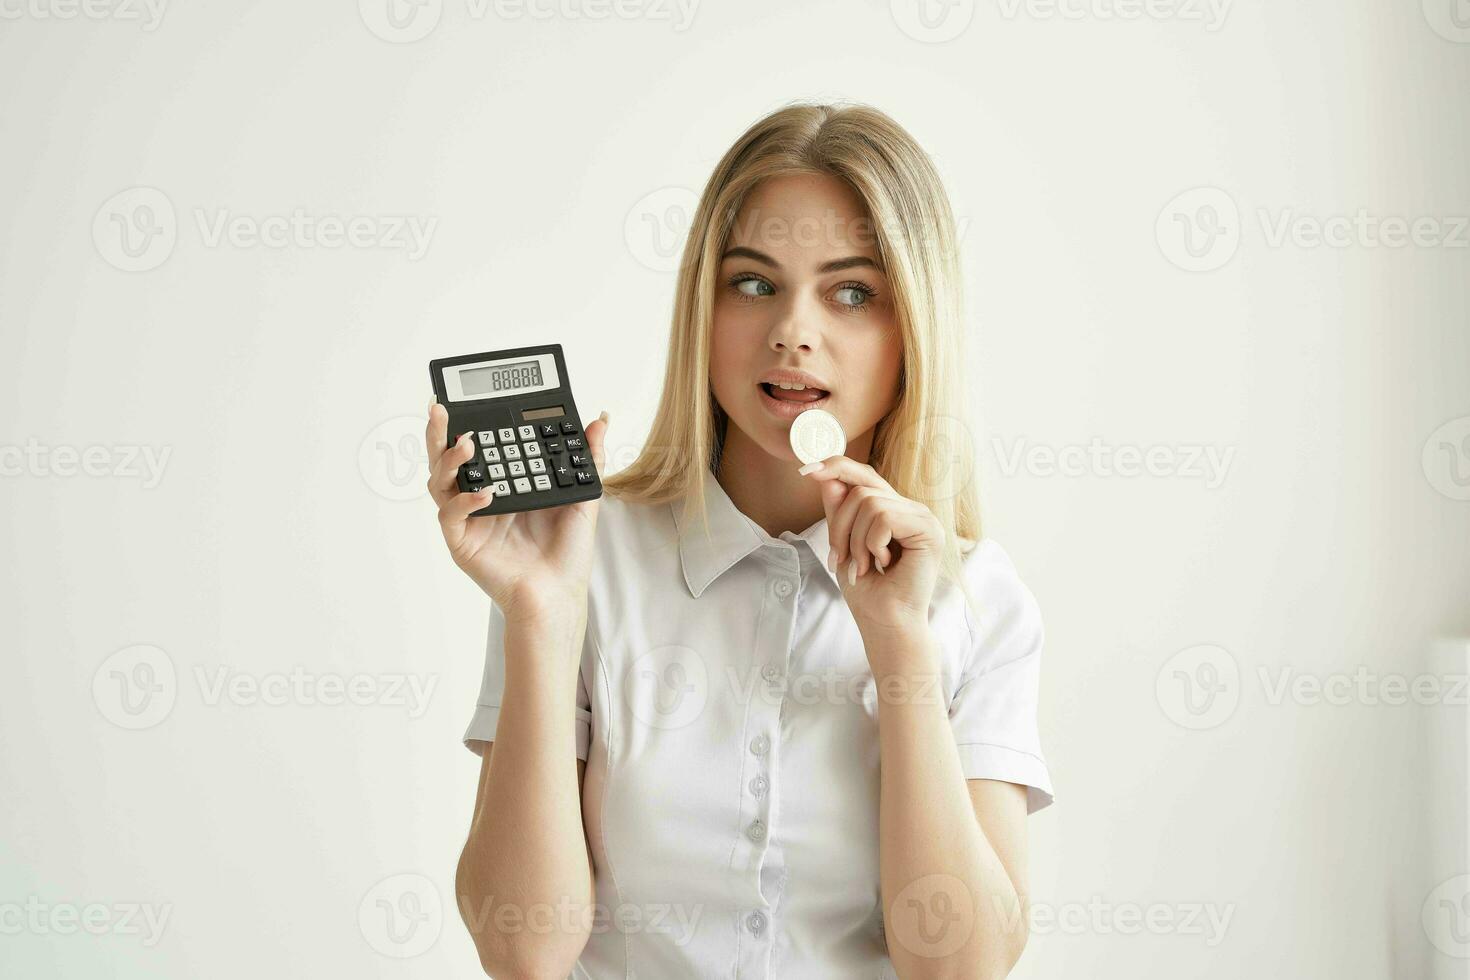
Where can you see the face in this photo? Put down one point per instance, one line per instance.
(801, 289)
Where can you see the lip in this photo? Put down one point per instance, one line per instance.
(791, 376)
(789, 410)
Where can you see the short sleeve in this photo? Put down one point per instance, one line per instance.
(994, 709)
(492, 688)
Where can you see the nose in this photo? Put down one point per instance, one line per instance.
(795, 329)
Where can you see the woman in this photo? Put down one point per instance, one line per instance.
(736, 642)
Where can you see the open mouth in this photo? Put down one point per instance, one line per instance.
(799, 396)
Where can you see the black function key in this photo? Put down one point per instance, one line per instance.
(553, 447)
(575, 442)
(563, 474)
(580, 460)
(474, 473)
(584, 476)
(569, 426)
(548, 430)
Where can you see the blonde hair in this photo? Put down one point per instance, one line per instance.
(923, 446)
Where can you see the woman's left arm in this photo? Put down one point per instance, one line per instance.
(952, 851)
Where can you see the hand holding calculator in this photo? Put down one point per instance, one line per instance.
(530, 446)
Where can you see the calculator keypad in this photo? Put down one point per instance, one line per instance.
(529, 458)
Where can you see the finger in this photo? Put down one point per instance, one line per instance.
(875, 542)
(454, 516)
(870, 512)
(443, 480)
(849, 471)
(839, 525)
(834, 492)
(435, 433)
(459, 506)
(597, 441)
(911, 524)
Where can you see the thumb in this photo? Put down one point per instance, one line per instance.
(597, 440)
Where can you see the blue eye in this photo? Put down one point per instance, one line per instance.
(857, 295)
(761, 287)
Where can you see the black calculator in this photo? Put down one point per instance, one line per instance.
(529, 443)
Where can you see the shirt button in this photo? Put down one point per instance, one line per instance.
(759, 744)
(758, 786)
(755, 922)
(771, 672)
(783, 588)
(757, 831)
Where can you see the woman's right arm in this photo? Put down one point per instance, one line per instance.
(524, 882)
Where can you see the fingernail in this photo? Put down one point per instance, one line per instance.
(810, 468)
(880, 568)
(603, 416)
(852, 573)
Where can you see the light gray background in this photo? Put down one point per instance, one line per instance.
(553, 158)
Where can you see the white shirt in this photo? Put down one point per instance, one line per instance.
(729, 720)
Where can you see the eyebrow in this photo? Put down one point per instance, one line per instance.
(836, 265)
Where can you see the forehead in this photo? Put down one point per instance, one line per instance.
(814, 216)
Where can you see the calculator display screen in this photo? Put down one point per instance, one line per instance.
(498, 378)
(493, 378)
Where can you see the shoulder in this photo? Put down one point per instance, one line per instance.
(635, 539)
(1006, 621)
(623, 519)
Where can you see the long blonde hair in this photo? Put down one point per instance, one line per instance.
(923, 446)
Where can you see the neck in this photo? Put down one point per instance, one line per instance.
(770, 491)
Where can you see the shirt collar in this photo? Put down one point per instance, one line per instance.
(732, 536)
